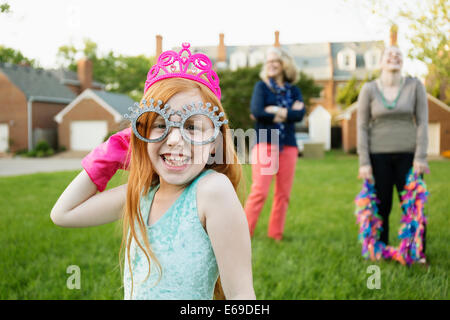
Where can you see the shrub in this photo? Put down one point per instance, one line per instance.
(42, 146)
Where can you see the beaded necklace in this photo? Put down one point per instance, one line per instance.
(392, 105)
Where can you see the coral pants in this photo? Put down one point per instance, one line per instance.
(268, 161)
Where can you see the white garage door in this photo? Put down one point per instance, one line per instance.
(86, 135)
(434, 139)
(4, 137)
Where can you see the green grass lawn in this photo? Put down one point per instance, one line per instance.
(319, 257)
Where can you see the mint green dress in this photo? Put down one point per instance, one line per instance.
(182, 247)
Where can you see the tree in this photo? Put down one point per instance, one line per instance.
(431, 38)
(123, 74)
(429, 34)
(308, 88)
(10, 55)
(237, 88)
(4, 7)
(348, 94)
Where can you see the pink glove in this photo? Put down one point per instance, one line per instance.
(102, 162)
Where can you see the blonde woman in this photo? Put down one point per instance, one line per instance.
(276, 105)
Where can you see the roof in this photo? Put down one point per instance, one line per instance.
(311, 58)
(71, 77)
(359, 48)
(438, 102)
(115, 103)
(36, 82)
(118, 101)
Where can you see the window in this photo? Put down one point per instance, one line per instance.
(372, 59)
(346, 59)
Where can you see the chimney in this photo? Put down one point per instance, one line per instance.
(393, 35)
(221, 51)
(158, 45)
(277, 39)
(84, 70)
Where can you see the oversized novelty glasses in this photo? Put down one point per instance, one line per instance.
(199, 125)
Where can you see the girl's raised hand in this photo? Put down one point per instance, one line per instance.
(103, 161)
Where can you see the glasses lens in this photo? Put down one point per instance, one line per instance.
(155, 130)
(199, 128)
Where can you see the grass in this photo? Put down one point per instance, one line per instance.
(319, 257)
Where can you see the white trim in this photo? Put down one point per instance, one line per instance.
(88, 94)
(344, 53)
(440, 103)
(372, 54)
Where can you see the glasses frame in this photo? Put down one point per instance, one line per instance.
(189, 111)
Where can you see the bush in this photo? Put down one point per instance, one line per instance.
(42, 146)
(41, 150)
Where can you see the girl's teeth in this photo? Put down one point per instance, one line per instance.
(176, 161)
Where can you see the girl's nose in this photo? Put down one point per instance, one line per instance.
(174, 137)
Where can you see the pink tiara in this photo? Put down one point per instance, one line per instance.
(176, 65)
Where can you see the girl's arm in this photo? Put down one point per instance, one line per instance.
(80, 205)
(228, 231)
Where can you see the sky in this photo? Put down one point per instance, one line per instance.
(39, 28)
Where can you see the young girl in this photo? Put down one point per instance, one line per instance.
(183, 222)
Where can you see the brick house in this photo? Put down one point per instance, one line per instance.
(78, 81)
(438, 127)
(38, 104)
(87, 120)
(330, 64)
(29, 99)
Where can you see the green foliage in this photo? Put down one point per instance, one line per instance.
(429, 35)
(109, 134)
(41, 150)
(430, 39)
(4, 7)
(348, 94)
(122, 74)
(237, 89)
(10, 55)
(308, 88)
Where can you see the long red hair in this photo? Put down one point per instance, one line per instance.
(142, 175)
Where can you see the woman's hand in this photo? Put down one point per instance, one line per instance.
(272, 109)
(420, 167)
(298, 105)
(365, 172)
(281, 115)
